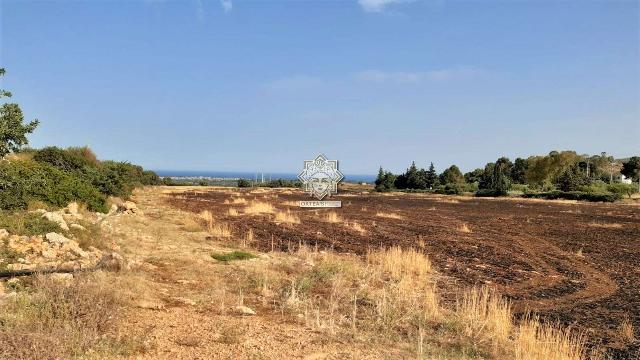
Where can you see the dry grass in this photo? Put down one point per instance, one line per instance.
(356, 226)
(391, 296)
(464, 228)
(332, 217)
(626, 331)
(216, 229)
(389, 215)
(537, 341)
(236, 201)
(605, 225)
(447, 200)
(257, 207)
(233, 212)
(286, 217)
(56, 320)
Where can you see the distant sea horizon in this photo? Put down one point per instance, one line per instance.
(252, 175)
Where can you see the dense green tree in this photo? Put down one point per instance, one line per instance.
(500, 181)
(385, 180)
(451, 175)
(519, 170)
(473, 176)
(13, 130)
(415, 179)
(431, 177)
(573, 178)
(486, 180)
(546, 169)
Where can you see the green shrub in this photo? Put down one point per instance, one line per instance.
(244, 183)
(623, 189)
(574, 195)
(234, 255)
(61, 159)
(24, 181)
(26, 223)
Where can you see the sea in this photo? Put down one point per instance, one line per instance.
(251, 175)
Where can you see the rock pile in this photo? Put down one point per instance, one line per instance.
(55, 251)
(52, 251)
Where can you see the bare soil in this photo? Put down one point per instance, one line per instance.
(574, 263)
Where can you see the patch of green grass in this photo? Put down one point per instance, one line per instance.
(234, 255)
(26, 223)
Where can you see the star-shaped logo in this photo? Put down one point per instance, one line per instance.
(320, 177)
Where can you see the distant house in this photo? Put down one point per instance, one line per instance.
(625, 180)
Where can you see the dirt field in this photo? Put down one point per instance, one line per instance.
(576, 263)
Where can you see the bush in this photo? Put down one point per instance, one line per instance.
(26, 223)
(61, 159)
(24, 181)
(244, 183)
(575, 195)
(623, 189)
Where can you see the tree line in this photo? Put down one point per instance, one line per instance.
(559, 171)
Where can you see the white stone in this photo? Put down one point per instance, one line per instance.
(243, 310)
(56, 238)
(77, 227)
(56, 218)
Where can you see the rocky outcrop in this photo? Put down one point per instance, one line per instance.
(57, 218)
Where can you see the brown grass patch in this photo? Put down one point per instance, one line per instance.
(332, 217)
(216, 229)
(257, 207)
(286, 217)
(464, 228)
(389, 215)
(605, 225)
(356, 226)
(55, 319)
(626, 331)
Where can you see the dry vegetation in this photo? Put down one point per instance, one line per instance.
(286, 217)
(389, 215)
(62, 317)
(258, 207)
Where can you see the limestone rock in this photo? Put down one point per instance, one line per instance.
(77, 227)
(21, 266)
(57, 218)
(244, 310)
(56, 238)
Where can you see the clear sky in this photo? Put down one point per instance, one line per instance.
(263, 85)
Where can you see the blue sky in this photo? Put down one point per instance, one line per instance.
(264, 85)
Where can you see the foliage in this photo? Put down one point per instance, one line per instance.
(26, 223)
(24, 181)
(13, 130)
(431, 177)
(574, 195)
(385, 180)
(623, 189)
(546, 169)
(631, 168)
(451, 175)
(244, 183)
(572, 179)
(519, 170)
(474, 176)
(234, 255)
